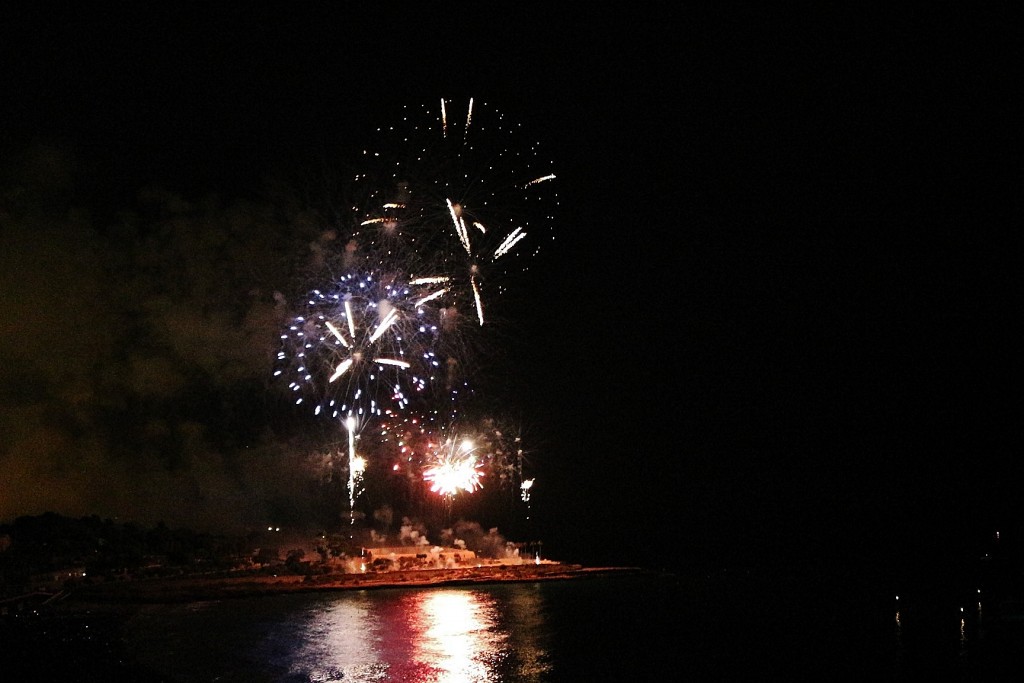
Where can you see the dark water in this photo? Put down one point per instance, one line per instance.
(731, 626)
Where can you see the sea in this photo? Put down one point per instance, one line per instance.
(638, 625)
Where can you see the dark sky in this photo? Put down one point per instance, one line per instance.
(779, 309)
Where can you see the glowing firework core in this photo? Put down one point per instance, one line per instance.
(456, 470)
(449, 478)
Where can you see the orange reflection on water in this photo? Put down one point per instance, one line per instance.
(457, 638)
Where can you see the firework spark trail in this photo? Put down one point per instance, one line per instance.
(356, 468)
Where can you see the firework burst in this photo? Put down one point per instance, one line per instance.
(448, 206)
(458, 189)
(454, 468)
(363, 346)
(415, 446)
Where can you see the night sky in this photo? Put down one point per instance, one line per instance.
(778, 316)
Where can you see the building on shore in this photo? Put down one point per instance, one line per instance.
(417, 557)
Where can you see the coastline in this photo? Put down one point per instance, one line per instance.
(197, 588)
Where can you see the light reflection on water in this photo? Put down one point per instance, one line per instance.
(445, 635)
(437, 635)
(335, 640)
(456, 638)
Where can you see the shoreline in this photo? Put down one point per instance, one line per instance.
(195, 589)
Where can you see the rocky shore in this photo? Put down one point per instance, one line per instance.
(192, 588)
